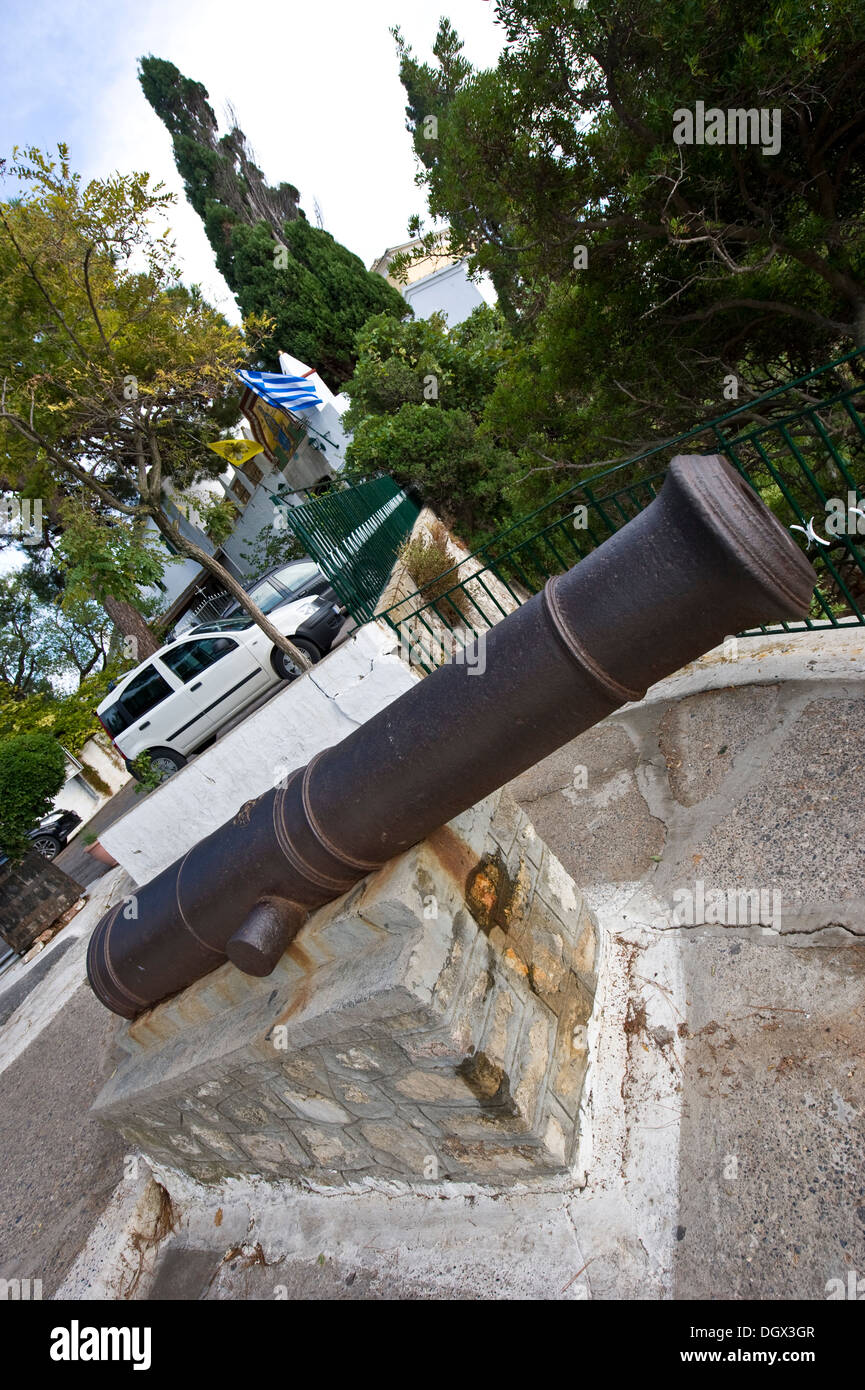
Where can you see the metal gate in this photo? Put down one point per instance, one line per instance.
(354, 536)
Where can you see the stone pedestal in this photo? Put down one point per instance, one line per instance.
(430, 1024)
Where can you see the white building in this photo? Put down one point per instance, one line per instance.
(300, 454)
(435, 284)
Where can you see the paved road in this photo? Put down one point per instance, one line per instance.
(74, 859)
(59, 1167)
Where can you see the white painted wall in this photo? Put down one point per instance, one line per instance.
(77, 794)
(102, 756)
(354, 682)
(178, 574)
(448, 291)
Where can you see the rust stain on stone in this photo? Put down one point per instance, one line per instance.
(490, 892)
(452, 853)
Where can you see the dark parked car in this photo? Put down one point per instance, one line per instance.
(51, 834)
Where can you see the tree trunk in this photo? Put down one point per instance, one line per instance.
(236, 590)
(130, 623)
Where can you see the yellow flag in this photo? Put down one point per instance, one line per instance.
(237, 451)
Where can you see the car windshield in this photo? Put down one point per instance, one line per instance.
(283, 586)
(297, 576)
(224, 625)
(266, 596)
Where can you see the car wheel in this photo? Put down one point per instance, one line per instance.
(166, 761)
(283, 664)
(47, 845)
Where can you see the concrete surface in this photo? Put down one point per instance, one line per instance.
(57, 1172)
(772, 1174)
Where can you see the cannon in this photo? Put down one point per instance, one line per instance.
(705, 559)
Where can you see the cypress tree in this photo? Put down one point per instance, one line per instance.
(317, 291)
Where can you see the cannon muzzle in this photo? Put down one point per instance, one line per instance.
(705, 559)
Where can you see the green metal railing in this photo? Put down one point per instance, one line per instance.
(801, 446)
(354, 535)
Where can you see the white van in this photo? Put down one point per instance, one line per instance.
(177, 700)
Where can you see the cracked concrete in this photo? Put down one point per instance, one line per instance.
(752, 769)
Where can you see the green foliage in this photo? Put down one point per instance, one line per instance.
(148, 777)
(427, 557)
(702, 260)
(116, 375)
(70, 719)
(442, 452)
(107, 558)
(219, 518)
(47, 635)
(418, 401)
(315, 292)
(32, 771)
(26, 657)
(274, 545)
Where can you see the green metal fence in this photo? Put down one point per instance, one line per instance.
(354, 535)
(802, 448)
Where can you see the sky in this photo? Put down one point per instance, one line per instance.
(314, 84)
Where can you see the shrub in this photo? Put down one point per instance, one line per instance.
(428, 557)
(147, 776)
(32, 771)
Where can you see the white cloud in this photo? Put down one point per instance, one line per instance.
(315, 87)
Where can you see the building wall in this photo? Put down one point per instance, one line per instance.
(449, 292)
(307, 468)
(77, 794)
(33, 894)
(178, 574)
(434, 284)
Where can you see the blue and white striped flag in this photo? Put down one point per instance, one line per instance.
(286, 392)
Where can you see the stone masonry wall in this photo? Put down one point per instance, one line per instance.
(33, 894)
(430, 1024)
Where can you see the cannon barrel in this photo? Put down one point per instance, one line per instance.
(705, 559)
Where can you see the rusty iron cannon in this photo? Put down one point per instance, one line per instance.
(705, 559)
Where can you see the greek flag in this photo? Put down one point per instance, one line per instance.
(284, 392)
